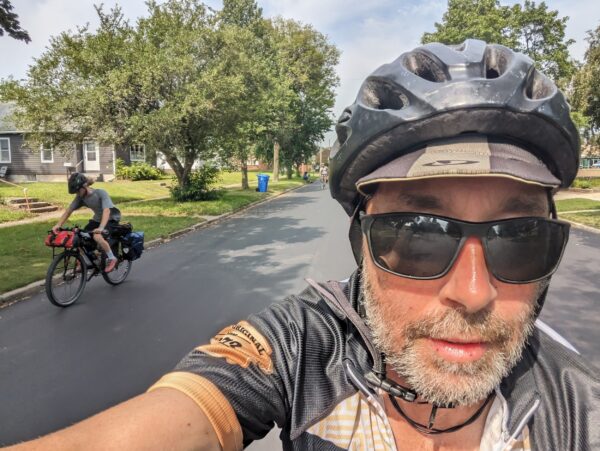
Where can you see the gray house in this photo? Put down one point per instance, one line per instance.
(91, 157)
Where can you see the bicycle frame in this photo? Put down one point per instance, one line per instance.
(89, 256)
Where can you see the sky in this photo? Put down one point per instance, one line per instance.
(368, 32)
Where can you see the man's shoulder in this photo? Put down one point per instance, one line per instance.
(561, 386)
(306, 310)
(556, 354)
(552, 370)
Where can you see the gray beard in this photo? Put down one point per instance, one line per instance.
(436, 380)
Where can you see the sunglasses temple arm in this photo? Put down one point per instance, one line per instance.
(355, 232)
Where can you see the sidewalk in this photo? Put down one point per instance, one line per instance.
(568, 194)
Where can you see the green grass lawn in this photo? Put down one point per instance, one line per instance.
(577, 204)
(591, 218)
(235, 178)
(586, 182)
(25, 259)
(232, 200)
(120, 190)
(8, 214)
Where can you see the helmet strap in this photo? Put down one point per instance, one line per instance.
(355, 232)
(429, 429)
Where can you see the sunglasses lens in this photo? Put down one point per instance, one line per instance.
(524, 250)
(413, 245)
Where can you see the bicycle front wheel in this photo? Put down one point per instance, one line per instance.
(66, 278)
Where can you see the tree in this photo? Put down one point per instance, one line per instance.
(9, 23)
(187, 81)
(290, 70)
(585, 90)
(305, 65)
(529, 28)
(162, 82)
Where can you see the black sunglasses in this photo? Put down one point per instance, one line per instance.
(423, 246)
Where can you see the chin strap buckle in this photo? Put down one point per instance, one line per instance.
(391, 387)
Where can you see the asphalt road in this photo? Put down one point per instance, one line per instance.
(58, 366)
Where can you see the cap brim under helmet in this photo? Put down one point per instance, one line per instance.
(466, 156)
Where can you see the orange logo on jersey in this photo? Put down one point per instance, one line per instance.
(241, 344)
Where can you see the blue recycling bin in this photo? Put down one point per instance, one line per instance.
(263, 183)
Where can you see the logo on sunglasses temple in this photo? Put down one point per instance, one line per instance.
(450, 162)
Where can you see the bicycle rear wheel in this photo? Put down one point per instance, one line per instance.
(66, 278)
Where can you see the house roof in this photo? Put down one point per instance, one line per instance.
(6, 124)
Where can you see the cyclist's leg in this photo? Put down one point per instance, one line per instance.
(91, 225)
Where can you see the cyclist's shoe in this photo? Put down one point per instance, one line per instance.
(110, 264)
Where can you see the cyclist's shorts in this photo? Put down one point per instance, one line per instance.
(110, 226)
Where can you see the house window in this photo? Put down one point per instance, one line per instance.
(4, 150)
(137, 152)
(89, 151)
(47, 154)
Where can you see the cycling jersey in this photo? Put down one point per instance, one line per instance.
(97, 201)
(297, 363)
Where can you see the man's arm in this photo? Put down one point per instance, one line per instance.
(104, 220)
(162, 419)
(62, 219)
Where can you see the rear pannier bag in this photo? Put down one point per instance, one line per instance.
(64, 238)
(120, 230)
(133, 245)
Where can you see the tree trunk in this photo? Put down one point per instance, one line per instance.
(178, 169)
(276, 161)
(290, 171)
(245, 175)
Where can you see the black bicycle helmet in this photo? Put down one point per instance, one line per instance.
(438, 91)
(77, 180)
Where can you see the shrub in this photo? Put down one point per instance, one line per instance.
(582, 183)
(137, 171)
(200, 186)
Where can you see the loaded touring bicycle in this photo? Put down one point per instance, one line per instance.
(77, 259)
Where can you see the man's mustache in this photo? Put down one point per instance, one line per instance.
(481, 326)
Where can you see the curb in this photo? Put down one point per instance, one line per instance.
(20, 294)
(583, 226)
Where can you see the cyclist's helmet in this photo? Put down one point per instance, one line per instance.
(441, 95)
(77, 180)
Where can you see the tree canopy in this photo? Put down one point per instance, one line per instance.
(529, 28)
(186, 81)
(585, 91)
(9, 23)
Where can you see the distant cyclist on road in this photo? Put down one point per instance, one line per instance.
(106, 215)
(324, 176)
(446, 164)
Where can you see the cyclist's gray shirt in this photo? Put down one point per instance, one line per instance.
(97, 201)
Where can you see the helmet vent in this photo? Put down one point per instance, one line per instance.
(424, 66)
(539, 86)
(381, 95)
(341, 129)
(496, 61)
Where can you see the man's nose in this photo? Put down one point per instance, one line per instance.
(469, 282)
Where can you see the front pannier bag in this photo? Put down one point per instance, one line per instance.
(133, 245)
(64, 238)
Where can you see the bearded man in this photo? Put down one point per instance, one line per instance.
(446, 163)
